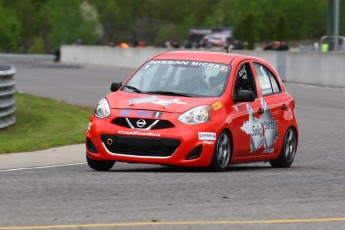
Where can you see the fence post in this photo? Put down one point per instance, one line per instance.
(7, 99)
(281, 64)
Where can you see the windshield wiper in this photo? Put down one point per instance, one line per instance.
(134, 89)
(169, 93)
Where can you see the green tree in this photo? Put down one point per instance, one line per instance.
(280, 32)
(109, 15)
(10, 31)
(68, 24)
(34, 25)
(28, 14)
(37, 47)
(247, 32)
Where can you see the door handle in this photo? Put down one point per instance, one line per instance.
(261, 111)
(284, 107)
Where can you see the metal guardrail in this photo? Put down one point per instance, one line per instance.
(27, 57)
(7, 99)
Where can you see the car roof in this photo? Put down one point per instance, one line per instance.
(205, 56)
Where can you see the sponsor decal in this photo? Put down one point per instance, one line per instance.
(155, 100)
(137, 133)
(262, 131)
(141, 100)
(208, 142)
(224, 69)
(221, 67)
(157, 114)
(268, 151)
(217, 105)
(212, 65)
(125, 112)
(169, 62)
(207, 136)
(243, 72)
(89, 126)
(143, 113)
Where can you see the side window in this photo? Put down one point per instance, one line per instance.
(268, 82)
(244, 80)
(274, 83)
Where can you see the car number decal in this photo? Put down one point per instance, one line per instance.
(125, 112)
(157, 114)
(143, 113)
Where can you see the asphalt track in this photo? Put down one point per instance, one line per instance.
(54, 189)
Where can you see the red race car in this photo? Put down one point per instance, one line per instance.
(204, 109)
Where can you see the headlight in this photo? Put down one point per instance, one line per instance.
(197, 115)
(103, 108)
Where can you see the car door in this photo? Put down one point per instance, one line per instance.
(247, 131)
(271, 108)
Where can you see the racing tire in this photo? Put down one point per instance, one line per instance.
(100, 165)
(222, 153)
(288, 152)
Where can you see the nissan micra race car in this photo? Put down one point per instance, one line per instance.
(201, 109)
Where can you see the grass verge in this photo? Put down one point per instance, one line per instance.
(44, 123)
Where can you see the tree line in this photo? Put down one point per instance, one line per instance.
(42, 26)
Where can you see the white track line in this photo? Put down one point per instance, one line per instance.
(40, 167)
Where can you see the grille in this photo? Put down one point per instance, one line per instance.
(140, 146)
(161, 124)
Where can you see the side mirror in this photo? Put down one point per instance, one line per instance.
(245, 96)
(115, 86)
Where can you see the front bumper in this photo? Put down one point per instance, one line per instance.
(180, 145)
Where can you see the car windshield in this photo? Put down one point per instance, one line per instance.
(180, 78)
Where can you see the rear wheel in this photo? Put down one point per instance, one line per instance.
(222, 153)
(287, 154)
(100, 165)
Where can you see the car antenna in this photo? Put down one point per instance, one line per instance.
(227, 49)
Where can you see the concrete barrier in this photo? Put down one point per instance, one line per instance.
(7, 100)
(313, 67)
(108, 56)
(324, 69)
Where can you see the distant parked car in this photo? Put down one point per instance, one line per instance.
(202, 109)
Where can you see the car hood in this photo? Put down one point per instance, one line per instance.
(173, 104)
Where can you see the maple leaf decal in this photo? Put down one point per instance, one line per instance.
(262, 130)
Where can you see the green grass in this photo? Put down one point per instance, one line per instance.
(44, 123)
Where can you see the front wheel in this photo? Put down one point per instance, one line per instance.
(287, 154)
(100, 165)
(222, 153)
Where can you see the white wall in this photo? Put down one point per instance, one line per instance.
(316, 68)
